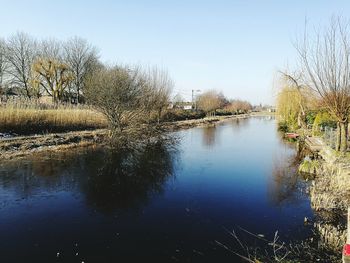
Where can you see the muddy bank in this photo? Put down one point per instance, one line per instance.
(25, 145)
(14, 147)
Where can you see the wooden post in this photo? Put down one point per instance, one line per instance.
(346, 249)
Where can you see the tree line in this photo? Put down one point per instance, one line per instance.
(212, 102)
(35, 68)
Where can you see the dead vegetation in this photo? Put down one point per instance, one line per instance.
(330, 191)
(256, 248)
(330, 197)
(23, 146)
(24, 116)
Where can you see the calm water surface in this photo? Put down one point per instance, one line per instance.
(160, 205)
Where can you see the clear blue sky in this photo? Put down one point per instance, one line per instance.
(232, 46)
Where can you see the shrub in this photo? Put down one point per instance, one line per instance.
(223, 112)
(283, 126)
(310, 117)
(180, 114)
(322, 120)
(309, 166)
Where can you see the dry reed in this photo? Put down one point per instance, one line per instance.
(24, 116)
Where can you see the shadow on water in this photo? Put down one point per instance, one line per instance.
(109, 180)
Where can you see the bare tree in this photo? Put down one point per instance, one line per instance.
(82, 58)
(3, 63)
(118, 92)
(209, 102)
(239, 106)
(223, 100)
(161, 86)
(51, 48)
(178, 99)
(20, 54)
(325, 61)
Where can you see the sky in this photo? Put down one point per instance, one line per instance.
(232, 46)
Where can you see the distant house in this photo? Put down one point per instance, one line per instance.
(183, 105)
(187, 106)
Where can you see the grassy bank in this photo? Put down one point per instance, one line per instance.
(29, 117)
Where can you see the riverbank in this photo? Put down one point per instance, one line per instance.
(21, 146)
(330, 197)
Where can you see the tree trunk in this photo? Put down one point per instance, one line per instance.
(301, 120)
(159, 114)
(344, 136)
(337, 145)
(78, 95)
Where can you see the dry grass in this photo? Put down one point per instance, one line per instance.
(331, 189)
(29, 117)
(330, 197)
(334, 237)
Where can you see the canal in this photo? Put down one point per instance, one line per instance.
(159, 204)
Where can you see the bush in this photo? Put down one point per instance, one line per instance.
(322, 120)
(180, 115)
(283, 126)
(310, 117)
(224, 112)
(309, 166)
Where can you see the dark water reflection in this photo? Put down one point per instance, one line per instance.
(161, 204)
(109, 181)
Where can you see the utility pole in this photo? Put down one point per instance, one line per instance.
(194, 100)
(192, 97)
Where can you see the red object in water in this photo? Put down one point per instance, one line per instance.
(346, 250)
(292, 135)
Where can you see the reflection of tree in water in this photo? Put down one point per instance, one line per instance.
(284, 186)
(209, 136)
(239, 123)
(27, 178)
(108, 180)
(126, 180)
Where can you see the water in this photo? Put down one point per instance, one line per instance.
(160, 205)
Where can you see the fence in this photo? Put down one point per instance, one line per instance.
(330, 136)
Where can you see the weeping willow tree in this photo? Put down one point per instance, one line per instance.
(291, 104)
(52, 76)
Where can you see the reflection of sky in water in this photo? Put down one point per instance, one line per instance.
(157, 205)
